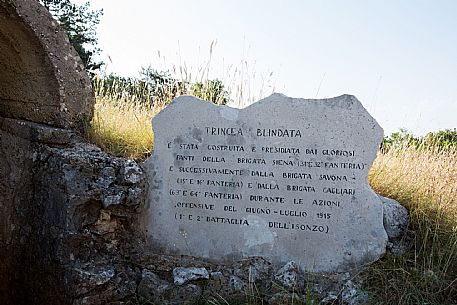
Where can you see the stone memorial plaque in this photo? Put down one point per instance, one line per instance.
(284, 178)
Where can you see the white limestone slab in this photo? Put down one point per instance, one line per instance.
(284, 178)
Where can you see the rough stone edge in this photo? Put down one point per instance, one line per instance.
(39, 133)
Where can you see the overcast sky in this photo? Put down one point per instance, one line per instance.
(398, 57)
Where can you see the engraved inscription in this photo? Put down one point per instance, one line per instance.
(249, 177)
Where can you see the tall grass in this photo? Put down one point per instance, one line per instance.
(124, 106)
(424, 179)
(122, 122)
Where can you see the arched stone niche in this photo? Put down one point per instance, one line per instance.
(42, 78)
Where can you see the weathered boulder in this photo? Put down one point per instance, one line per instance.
(396, 221)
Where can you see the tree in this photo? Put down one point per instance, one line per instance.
(80, 23)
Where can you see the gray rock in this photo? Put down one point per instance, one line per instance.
(100, 277)
(134, 195)
(289, 276)
(107, 177)
(396, 222)
(113, 199)
(186, 294)
(352, 294)
(183, 275)
(88, 277)
(216, 275)
(396, 218)
(151, 287)
(236, 283)
(132, 172)
(74, 230)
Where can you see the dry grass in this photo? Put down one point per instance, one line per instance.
(425, 181)
(122, 118)
(123, 129)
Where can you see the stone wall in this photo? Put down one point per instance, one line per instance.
(70, 213)
(15, 192)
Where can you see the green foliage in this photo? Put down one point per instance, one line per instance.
(151, 89)
(120, 88)
(157, 88)
(211, 90)
(163, 87)
(399, 139)
(441, 140)
(79, 23)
